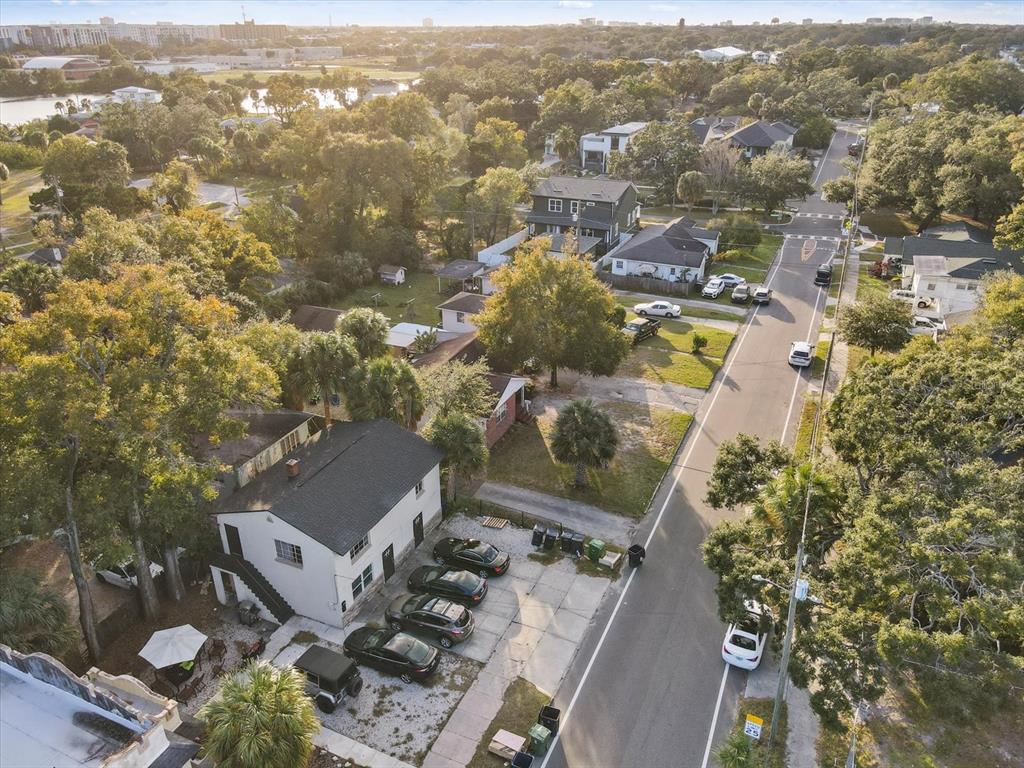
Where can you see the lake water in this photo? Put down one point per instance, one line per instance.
(15, 111)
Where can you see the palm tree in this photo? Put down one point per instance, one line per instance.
(735, 752)
(463, 444)
(782, 504)
(584, 437)
(254, 96)
(260, 718)
(60, 107)
(690, 188)
(389, 389)
(566, 143)
(33, 618)
(320, 365)
(30, 282)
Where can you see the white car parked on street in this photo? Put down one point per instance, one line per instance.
(744, 642)
(925, 326)
(800, 353)
(659, 308)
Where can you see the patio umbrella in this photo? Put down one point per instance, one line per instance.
(173, 646)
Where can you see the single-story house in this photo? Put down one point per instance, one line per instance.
(945, 269)
(759, 137)
(391, 274)
(457, 312)
(708, 129)
(402, 335)
(134, 94)
(329, 524)
(308, 317)
(465, 347)
(510, 403)
(678, 252)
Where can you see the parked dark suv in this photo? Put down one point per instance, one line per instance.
(823, 275)
(450, 622)
(458, 585)
(329, 676)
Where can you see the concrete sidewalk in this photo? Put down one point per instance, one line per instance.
(574, 515)
(801, 743)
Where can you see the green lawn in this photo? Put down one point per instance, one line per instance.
(820, 355)
(763, 708)
(16, 215)
(753, 265)
(802, 444)
(869, 286)
(648, 438)
(629, 300)
(520, 706)
(668, 357)
(420, 288)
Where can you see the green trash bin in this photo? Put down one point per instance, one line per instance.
(595, 549)
(540, 739)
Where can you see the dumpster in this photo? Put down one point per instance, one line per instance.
(595, 549)
(538, 535)
(522, 760)
(540, 739)
(551, 538)
(636, 555)
(549, 717)
(577, 544)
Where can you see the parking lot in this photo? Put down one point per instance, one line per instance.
(529, 625)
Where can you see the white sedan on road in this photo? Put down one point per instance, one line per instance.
(800, 353)
(744, 642)
(659, 308)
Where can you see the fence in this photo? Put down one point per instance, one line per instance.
(646, 284)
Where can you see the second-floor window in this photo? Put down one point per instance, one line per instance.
(419, 489)
(554, 206)
(288, 553)
(362, 544)
(574, 206)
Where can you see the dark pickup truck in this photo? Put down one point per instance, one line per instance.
(641, 328)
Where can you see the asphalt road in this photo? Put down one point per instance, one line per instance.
(649, 688)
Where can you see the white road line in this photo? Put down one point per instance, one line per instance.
(714, 720)
(824, 159)
(799, 377)
(654, 529)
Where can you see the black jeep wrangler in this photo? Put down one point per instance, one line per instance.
(330, 676)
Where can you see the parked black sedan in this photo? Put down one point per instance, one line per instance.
(476, 556)
(458, 585)
(450, 622)
(391, 651)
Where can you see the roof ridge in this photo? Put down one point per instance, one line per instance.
(303, 479)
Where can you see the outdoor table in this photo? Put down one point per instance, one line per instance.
(176, 674)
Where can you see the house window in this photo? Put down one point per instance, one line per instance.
(672, 270)
(972, 287)
(619, 264)
(460, 317)
(288, 553)
(574, 206)
(362, 544)
(961, 287)
(931, 286)
(554, 206)
(362, 581)
(419, 489)
(501, 412)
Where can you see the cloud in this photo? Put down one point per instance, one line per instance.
(575, 4)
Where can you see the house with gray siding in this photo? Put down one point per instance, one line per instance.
(606, 209)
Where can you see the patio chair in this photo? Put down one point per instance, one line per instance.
(217, 672)
(218, 649)
(186, 693)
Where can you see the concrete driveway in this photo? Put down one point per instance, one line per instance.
(207, 192)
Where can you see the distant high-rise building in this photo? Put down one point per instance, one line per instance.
(428, 22)
(807, 21)
(106, 19)
(250, 31)
(925, 21)
(874, 20)
(589, 22)
(726, 23)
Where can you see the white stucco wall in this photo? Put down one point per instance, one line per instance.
(450, 321)
(664, 272)
(952, 295)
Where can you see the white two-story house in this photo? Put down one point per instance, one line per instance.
(596, 148)
(318, 531)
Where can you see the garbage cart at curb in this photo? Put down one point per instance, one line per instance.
(539, 739)
(637, 553)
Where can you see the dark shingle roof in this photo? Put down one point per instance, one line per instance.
(461, 269)
(760, 134)
(351, 475)
(608, 190)
(465, 302)
(464, 347)
(912, 247)
(672, 244)
(308, 317)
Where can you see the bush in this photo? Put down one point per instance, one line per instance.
(731, 255)
(737, 230)
(698, 343)
(618, 316)
(15, 155)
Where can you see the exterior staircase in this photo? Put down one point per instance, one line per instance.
(257, 584)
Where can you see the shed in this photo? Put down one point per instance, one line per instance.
(391, 274)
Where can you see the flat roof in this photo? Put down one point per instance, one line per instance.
(461, 269)
(42, 726)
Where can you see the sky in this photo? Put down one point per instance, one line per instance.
(499, 12)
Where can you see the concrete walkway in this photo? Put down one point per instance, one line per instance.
(349, 749)
(802, 740)
(640, 391)
(574, 515)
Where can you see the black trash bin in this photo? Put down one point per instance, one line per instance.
(549, 717)
(566, 541)
(538, 535)
(551, 538)
(636, 555)
(577, 544)
(522, 760)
